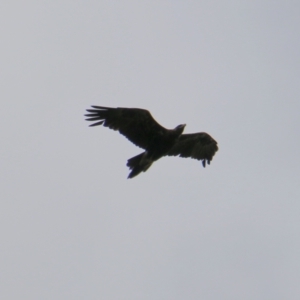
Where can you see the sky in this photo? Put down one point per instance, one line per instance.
(73, 226)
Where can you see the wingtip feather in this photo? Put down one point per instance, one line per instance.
(96, 124)
(99, 107)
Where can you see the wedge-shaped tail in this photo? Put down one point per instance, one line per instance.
(138, 164)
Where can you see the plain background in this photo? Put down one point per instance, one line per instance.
(73, 227)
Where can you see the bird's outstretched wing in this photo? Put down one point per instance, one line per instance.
(199, 146)
(134, 123)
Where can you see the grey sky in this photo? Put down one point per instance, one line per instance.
(73, 227)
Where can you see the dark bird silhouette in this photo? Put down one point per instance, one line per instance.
(138, 126)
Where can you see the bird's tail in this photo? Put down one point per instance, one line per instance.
(138, 164)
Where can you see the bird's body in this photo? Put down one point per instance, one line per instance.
(141, 129)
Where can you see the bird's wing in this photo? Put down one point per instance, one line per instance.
(134, 123)
(199, 146)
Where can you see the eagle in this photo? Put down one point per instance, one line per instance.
(139, 127)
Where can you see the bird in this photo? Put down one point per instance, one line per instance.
(139, 127)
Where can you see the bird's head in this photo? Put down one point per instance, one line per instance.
(179, 129)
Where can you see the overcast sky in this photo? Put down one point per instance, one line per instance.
(73, 227)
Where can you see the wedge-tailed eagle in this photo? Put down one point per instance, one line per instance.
(138, 126)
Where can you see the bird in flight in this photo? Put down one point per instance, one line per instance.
(139, 127)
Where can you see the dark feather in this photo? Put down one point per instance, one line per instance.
(136, 124)
(199, 146)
